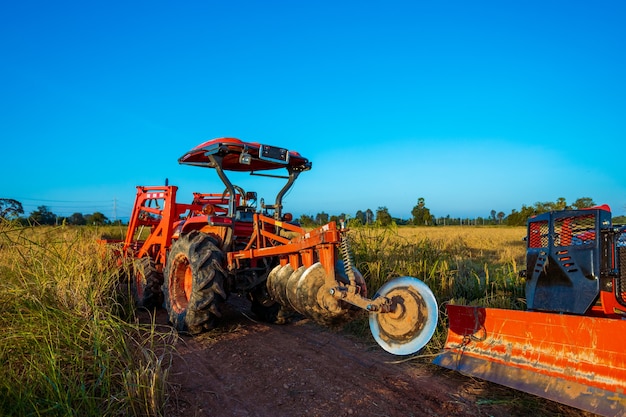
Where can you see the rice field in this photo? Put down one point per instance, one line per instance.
(469, 265)
(71, 346)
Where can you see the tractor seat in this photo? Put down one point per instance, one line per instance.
(244, 213)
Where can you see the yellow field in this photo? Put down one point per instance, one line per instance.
(461, 264)
(498, 243)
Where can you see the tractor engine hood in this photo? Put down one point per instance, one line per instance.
(237, 155)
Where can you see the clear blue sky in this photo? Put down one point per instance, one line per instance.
(473, 105)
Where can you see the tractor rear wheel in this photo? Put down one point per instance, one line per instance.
(146, 284)
(194, 283)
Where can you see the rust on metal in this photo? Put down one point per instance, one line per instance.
(575, 360)
(408, 318)
(404, 321)
(307, 291)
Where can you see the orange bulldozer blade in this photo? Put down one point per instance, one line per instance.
(575, 360)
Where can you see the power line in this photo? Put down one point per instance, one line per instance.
(67, 208)
(62, 201)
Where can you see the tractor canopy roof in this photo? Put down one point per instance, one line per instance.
(236, 155)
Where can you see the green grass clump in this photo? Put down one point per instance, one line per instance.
(65, 346)
(458, 269)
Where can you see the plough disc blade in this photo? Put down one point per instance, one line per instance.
(574, 360)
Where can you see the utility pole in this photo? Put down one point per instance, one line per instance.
(114, 210)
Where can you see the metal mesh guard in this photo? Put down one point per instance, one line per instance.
(575, 230)
(621, 281)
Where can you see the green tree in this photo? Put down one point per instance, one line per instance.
(361, 217)
(560, 204)
(97, 219)
(77, 219)
(421, 214)
(383, 217)
(306, 221)
(354, 222)
(43, 215)
(519, 218)
(543, 207)
(10, 209)
(619, 220)
(321, 218)
(583, 202)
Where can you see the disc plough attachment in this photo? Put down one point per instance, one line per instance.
(402, 315)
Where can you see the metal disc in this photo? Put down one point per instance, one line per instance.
(291, 287)
(277, 283)
(410, 326)
(307, 291)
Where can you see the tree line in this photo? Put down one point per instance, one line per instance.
(11, 209)
(421, 215)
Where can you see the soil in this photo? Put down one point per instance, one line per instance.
(248, 368)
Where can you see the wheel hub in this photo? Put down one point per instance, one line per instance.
(412, 319)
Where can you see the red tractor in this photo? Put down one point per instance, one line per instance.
(190, 257)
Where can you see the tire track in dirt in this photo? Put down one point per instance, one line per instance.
(250, 369)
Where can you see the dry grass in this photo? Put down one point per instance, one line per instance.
(472, 265)
(493, 243)
(66, 345)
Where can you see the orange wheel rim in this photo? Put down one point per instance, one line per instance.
(181, 284)
(188, 285)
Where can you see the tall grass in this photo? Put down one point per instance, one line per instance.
(66, 346)
(461, 265)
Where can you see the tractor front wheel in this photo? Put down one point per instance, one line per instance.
(194, 283)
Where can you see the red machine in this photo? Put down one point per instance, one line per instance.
(570, 345)
(194, 255)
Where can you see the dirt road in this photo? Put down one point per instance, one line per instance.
(248, 368)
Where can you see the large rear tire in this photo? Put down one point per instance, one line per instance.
(146, 284)
(194, 283)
